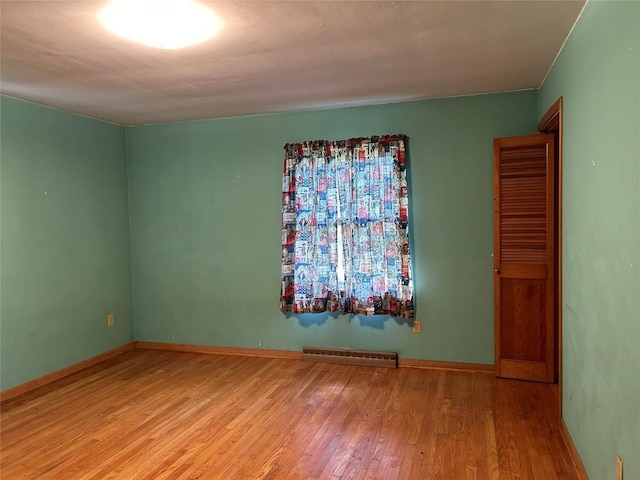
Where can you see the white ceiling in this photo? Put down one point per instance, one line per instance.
(275, 56)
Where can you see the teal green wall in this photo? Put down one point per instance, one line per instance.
(205, 237)
(598, 74)
(65, 260)
(206, 241)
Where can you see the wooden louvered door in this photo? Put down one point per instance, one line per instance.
(524, 256)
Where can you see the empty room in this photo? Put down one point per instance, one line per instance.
(320, 240)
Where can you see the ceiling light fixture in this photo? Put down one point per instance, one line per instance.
(169, 24)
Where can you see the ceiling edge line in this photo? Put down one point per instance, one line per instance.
(563, 44)
(329, 107)
(97, 119)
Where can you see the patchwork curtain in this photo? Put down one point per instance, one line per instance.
(345, 242)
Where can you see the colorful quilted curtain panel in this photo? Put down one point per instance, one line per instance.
(345, 227)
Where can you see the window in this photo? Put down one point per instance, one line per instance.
(345, 242)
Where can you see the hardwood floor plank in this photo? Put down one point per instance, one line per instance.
(158, 415)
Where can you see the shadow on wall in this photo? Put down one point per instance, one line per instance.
(374, 321)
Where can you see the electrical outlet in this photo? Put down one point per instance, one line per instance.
(618, 468)
(110, 320)
(417, 326)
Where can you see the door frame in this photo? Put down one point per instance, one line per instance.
(551, 122)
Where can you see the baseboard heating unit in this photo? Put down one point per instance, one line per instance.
(346, 356)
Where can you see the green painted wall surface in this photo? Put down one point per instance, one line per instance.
(598, 74)
(205, 214)
(65, 240)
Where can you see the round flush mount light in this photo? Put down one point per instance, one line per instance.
(169, 24)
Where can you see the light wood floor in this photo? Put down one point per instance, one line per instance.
(165, 415)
